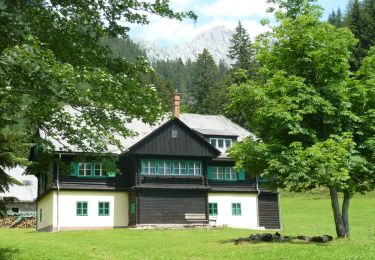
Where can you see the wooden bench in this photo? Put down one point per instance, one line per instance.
(196, 218)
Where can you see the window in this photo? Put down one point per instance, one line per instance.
(230, 173)
(171, 167)
(221, 142)
(132, 208)
(164, 168)
(217, 173)
(236, 209)
(84, 169)
(149, 167)
(91, 169)
(103, 208)
(225, 173)
(174, 133)
(194, 168)
(179, 168)
(81, 208)
(212, 208)
(40, 215)
(98, 169)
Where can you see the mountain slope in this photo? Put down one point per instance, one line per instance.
(216, 40)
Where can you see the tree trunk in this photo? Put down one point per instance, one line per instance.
(340, 228)
(345, 213)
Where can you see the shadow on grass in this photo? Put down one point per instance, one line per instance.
(8, 253)
(289, 242)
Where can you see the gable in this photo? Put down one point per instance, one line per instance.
(176, 139)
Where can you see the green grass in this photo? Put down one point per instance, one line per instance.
(308, 214)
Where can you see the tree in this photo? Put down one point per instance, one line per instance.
(204, 90)
(52, 60)
(354, 20)
(314, 123)
(241, 51)
(335, 18)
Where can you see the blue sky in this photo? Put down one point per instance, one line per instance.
(212, 13)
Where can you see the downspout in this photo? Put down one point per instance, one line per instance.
(258, 191)
(57, 194)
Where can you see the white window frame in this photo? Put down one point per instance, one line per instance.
(215, 142)
(194, 168)
(230, 173)
(148, 166)
(216, 173)
(98, 166)
(165, 168)
(87, 170)
(180, 169)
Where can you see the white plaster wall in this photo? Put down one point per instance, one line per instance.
(249, 216)
(46, 204)
(118, 209)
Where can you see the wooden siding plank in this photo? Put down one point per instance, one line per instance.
(268, 210)
(169, 207)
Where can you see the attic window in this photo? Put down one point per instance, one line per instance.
(174, 134)
(221, 142)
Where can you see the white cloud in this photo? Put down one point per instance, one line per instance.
(236, 8)
(222, 13)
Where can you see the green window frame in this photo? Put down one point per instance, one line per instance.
(223, 173)
(92, 169)
(236, 209)
(212, 209)
(40, 215)
(171, 167)
(103, 208)
(82, 208)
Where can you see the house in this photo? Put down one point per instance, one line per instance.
(169, 172)
(24, 195)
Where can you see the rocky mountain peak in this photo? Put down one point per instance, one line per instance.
(215, 40)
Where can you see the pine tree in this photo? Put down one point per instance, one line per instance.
(354, 21)
(332, 18)
(241, 51)
(204, 90)
(368, 17)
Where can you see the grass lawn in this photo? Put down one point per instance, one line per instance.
(308, 214)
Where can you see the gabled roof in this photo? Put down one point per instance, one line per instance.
(196, 137)
(214, 125)
(206, 125)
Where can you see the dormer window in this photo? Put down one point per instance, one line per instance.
(221, 142)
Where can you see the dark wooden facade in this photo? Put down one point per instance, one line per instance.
(174, 138)
(169, 206)
(268, 210)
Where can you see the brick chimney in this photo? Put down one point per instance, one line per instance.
(176, 99)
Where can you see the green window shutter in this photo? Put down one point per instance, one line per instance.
(111, 169)
(73, 168)
(241, 175)
(209, 172)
